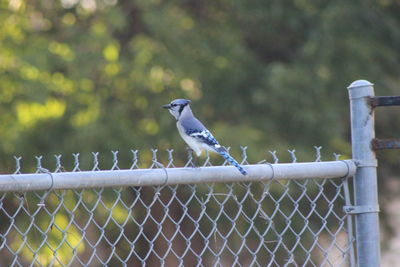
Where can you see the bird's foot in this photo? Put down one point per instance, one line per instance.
(191, 160)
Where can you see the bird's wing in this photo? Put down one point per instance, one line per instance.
(195, 129)
(205, 137)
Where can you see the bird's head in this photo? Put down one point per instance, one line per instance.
(177, 106)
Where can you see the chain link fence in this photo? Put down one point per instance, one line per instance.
(285, 222)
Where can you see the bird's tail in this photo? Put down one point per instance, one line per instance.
(231, 160)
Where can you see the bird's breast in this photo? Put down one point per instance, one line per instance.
(192, 143)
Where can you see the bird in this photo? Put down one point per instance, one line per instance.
(195, 134)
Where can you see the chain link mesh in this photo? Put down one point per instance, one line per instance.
(275, 223)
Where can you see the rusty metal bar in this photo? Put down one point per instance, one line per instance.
(380, 144)
(379, 101)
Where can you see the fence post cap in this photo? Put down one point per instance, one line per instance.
(359, 83)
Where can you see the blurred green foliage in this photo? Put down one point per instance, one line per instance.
(81, 76)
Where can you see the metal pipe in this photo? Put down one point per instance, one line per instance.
(379, 144)
(167, 176)
(380, 101)
(349, 222)
(365, 180)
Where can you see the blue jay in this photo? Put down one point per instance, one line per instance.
(195, 134)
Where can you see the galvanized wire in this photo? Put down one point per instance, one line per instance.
(274, 223)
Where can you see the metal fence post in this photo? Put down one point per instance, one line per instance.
(365, 181)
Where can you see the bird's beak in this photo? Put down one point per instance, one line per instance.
(167, 106)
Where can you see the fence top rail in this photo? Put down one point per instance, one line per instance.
(168, 176)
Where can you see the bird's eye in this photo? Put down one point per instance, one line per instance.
(173, 105)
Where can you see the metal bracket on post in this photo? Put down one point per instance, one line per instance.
(366, 163)
(361, 209)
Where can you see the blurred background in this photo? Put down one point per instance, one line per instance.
(91, 75)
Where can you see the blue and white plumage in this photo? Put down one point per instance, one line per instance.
(195, 134)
